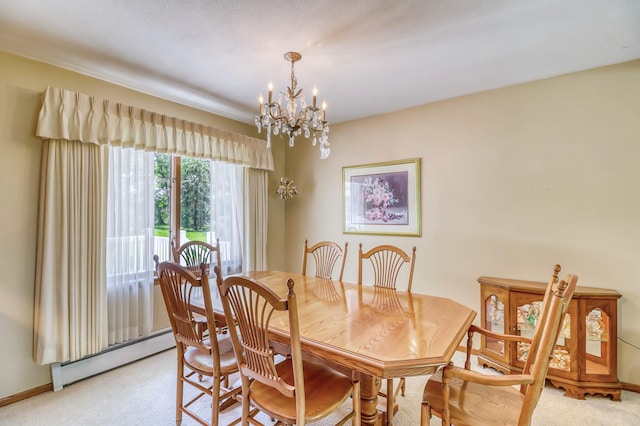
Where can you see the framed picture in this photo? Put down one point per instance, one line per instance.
(382, 198)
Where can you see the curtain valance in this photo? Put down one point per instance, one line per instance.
(76, 116)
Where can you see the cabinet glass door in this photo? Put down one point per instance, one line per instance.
(494, 308)
(597, 341)
(527, 319)
(561, 355)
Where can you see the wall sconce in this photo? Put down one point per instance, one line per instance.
(287, 189)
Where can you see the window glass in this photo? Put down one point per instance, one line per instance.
(162, 206)
(195, 196)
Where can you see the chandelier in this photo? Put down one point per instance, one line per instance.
(299, 117)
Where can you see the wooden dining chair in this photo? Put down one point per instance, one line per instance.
(461, 396)
(199, 356)
(326, 255)
(295, 390)
(192, 254)
(387, 261)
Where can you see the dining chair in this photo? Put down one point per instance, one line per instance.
(460, 396)
(199, 356)
(294, 390)
(192, 254)
(387, 261)
(326, 255)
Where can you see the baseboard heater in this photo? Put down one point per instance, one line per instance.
(69, 372)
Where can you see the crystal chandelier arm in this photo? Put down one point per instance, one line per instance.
(311, 116)
(274, 106)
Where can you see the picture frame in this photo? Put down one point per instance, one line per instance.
(382, 198)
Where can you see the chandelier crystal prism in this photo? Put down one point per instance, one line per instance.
(299, 118)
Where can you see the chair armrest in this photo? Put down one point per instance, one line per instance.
(499, 336)
(484, 379)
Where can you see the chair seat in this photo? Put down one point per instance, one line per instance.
(325, 390)
(500, 405)
(200, 360)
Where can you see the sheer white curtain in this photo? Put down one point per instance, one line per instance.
(227, 207)
(130, 210)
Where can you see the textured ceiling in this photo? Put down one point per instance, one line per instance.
(365, 57)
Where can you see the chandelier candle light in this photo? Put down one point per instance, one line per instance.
(309, 119)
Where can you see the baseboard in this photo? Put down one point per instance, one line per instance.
(463, 349)
(70, 372)
(631, 387)
(25, 394)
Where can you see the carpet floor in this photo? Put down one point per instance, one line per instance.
(143, 393)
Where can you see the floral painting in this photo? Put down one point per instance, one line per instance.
(383, 198)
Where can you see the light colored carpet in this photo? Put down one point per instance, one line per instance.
(143, 393)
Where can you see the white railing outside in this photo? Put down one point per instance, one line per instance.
(162, 246)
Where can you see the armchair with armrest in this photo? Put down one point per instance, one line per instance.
(463, 397)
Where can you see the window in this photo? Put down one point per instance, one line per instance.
(71, 259)
(143, 216)
(209, 208)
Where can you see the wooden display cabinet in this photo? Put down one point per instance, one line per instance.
(585, 357)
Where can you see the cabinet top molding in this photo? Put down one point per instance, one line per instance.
(539, 287)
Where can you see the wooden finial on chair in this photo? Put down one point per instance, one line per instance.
(290, 285)
(218, 272)
(556, 271)
(562, 286)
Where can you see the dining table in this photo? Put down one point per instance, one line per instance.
(369, 333)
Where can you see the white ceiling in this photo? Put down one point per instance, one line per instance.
(366, 57)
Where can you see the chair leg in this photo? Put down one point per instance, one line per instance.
(215, 405)
(390, 401)
(355, 397)
(425, 414)
(179, 389)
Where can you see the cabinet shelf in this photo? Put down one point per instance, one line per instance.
(585, 357)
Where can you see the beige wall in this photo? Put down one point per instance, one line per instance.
(21, 83)
(513, 181)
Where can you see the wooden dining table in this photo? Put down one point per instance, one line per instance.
(369, 333)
